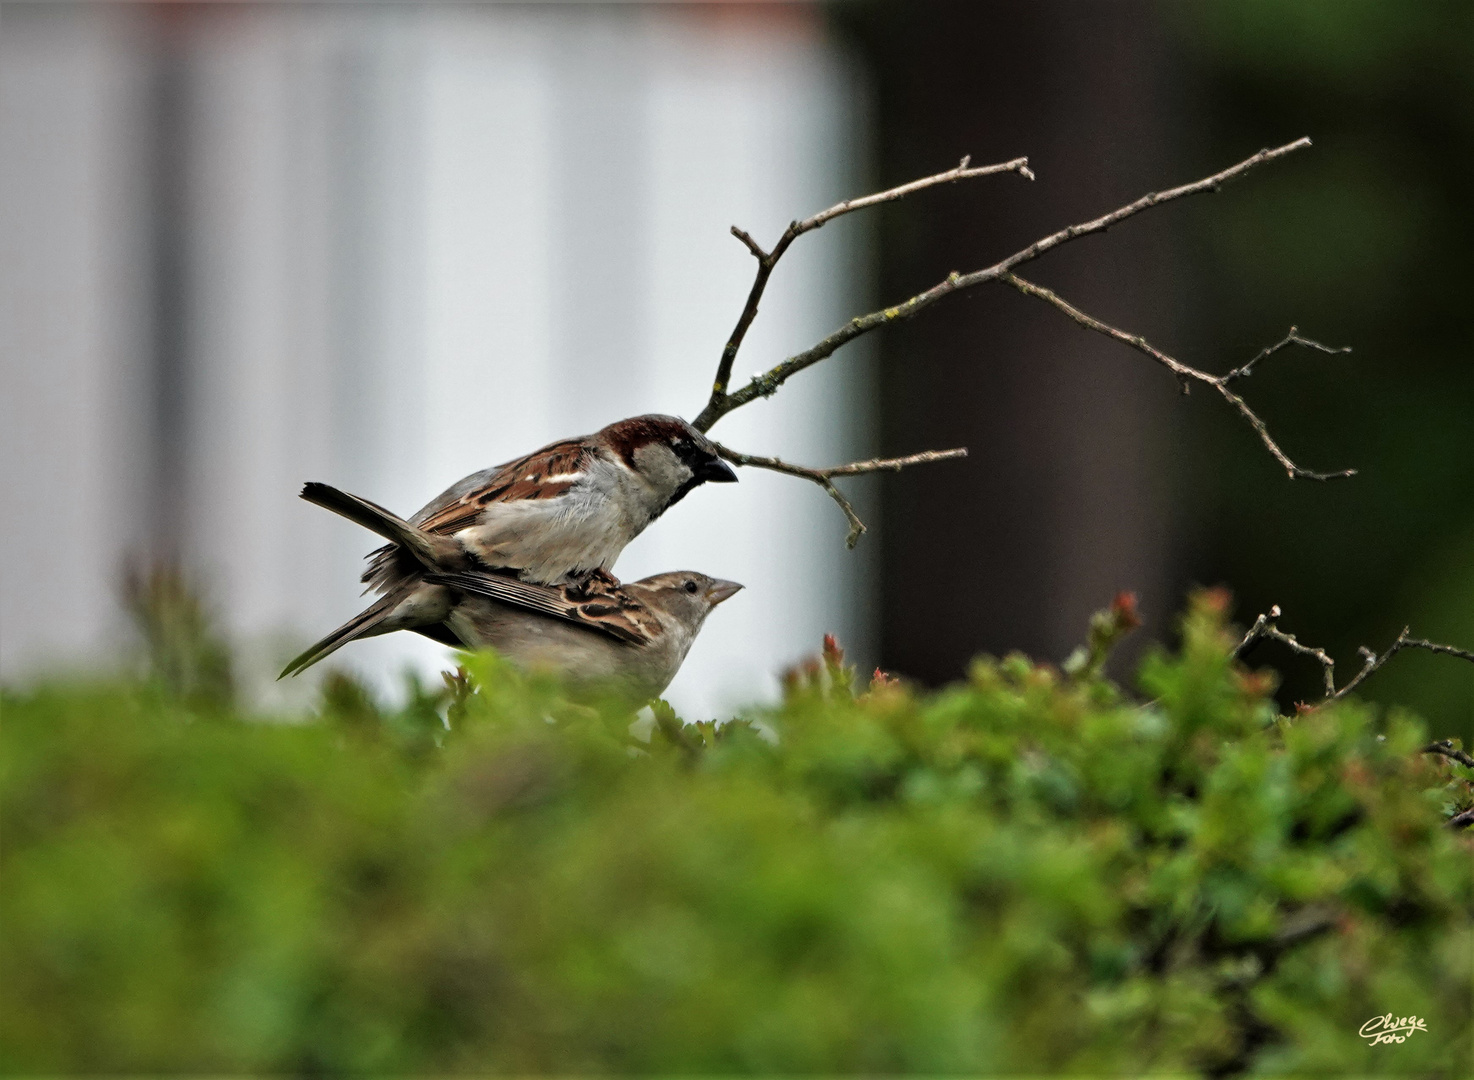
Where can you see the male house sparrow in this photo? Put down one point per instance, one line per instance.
(630, 638)
(561, 514)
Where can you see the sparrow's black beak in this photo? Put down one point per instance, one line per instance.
(715, 471)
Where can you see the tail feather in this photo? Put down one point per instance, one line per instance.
(364, 624)
(435, 552)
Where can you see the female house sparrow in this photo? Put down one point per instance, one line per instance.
(631, 638)
(558, 515)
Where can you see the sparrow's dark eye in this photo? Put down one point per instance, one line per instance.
(690, 587)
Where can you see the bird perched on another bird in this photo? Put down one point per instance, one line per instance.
(571, 507)
(629, 638)
(560, 515)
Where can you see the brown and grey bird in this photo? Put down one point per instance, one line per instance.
(560, 515)
(630, 638)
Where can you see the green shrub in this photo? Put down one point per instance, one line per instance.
(1027, 871)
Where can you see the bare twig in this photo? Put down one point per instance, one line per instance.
(766, 260)
(1243, 371)
(1256, 631)
(1434, 647)
(1265, 627)
(723, 401)
(1372, 661)
(1449, 750)
(824, 477)
(764, 385)
(1187, 375)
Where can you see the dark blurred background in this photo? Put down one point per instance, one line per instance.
(1088, 474)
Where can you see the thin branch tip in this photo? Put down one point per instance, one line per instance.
(1446, 748)
(721, 401)
(825, 477)
(752, 245)
(1264, 628)
(1183, 372)
(719, 406)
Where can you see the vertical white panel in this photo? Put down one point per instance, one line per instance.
(74, 301)
(600, 65)
(258, 335)
(487, 208)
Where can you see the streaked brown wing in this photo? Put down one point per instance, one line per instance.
(614, 612)
(543, 474)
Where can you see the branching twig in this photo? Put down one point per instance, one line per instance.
(1371, 661)
(1449, 750)
(764, 385)
(766, 260)
(722, 400)
(1187, 375)
(1264, 627)
(1292, 338)
(824, 477)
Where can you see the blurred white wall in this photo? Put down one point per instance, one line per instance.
(247, 245)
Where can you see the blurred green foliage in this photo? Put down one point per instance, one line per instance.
(1027, 871)
(1362, 241)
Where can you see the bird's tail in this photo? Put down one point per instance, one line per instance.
(364, 624)
(435, 552)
